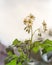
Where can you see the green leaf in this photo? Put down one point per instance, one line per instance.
(48, 42)
(11, 60)
(16, 42)
(35, 49)
(19, 63)
(9, 53)
(36, 43)
(9, 50)
(47, 46)
(49, 49)
(19, 49)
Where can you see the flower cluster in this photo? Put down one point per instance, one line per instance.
(28, 21)
(39, 33)
(44, 26)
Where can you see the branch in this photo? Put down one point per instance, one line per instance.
(35, 31)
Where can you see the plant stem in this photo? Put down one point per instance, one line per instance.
(31, 34)
(30, 42)
(34, 32)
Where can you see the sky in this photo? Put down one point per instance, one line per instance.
(13, 12)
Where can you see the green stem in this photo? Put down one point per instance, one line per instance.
(31, 34)
(30, 42)
(34, 32)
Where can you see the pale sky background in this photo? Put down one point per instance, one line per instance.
(12, 13)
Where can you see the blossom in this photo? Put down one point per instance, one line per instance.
(31, 16)
(44, 26)
(44, 23)
(28, 21)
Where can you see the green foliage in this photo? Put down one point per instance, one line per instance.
(16, 42)
(47, 41)
(19, 49)
(35, 49)
(36, 45)
(22, 58)
(9, 51)
(47, 46)
(19, 63)
(16, 60)
(11, 60)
